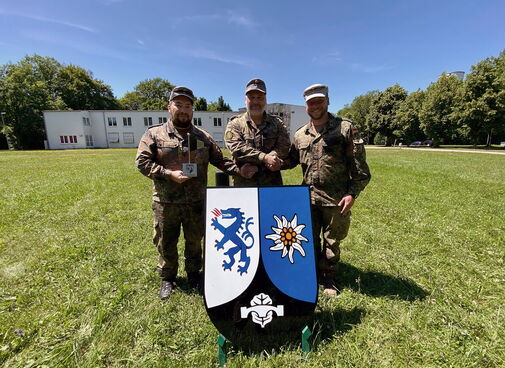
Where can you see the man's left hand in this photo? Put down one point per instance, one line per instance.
(346, 203)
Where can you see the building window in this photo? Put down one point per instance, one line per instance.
(89, 141)
(127, 121)
(128, 138)
(112, 121)
(85, 121)
(197, 121)
(217, 121)
(148, 121)
(113, 137)
(68, 139)
(162, 120)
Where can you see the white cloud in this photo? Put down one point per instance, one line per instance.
(140, 42)
(49, 20)
(327, 59)
(369, 68)
(230, 17)
(202, 53)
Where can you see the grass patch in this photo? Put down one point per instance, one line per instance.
(422, 275)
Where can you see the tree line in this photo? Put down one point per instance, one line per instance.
(449, 111)
(38, 83)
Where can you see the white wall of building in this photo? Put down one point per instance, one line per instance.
(124, 128)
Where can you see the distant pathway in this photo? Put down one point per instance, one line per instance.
(438, 150)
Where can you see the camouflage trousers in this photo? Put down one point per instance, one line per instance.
(334, 227)
(168, 219)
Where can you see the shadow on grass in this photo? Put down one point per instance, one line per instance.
(377, 284)
(328, 324)
(323, 324)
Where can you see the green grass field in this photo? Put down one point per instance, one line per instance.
(423, 281)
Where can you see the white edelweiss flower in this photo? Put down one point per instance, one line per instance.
(287, 237)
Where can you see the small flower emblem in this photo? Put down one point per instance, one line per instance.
(287, 237)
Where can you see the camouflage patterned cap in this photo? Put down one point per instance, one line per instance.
(256, 84)
(182, 91)
(315, 90)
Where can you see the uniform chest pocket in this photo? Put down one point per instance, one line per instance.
(202, 155)
(332, 143)
(167, 150)
(268, 143)
(333, 149)
(304, 150)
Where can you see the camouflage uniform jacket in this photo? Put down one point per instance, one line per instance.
(162, 150)
(249, 143)
(333, 161)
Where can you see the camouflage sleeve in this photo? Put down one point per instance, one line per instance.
(146, 158)
(356, 160)
(238, 146)
(293, 158)
(217, 159)
(283, 143)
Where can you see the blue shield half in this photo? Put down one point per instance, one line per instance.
(260, 281)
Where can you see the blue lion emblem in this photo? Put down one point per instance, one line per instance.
(234, 235)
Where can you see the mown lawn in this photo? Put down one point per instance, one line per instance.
(423, 280)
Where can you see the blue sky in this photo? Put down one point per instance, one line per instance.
(215, 47)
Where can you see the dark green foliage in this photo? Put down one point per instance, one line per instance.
(439, 117)
(220, 105)
(39, 83)
(150, 94)
(381, 117)
(200, 104)
(483, 107)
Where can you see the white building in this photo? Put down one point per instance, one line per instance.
(124, 128)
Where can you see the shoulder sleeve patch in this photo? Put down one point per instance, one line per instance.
(228, 135)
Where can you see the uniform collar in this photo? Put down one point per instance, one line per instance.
(263, 123)
(330, 124)
(169, 126)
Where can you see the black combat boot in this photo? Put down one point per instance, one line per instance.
(167, 286)
(329, 287)
(195, 280)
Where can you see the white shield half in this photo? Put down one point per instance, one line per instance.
(232, 243)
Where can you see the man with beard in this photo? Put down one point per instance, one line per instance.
(258, 141)
(178, 198)
(333, 160)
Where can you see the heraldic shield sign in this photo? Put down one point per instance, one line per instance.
(259, 271)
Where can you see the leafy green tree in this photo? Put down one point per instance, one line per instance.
(80, 91)
(27, 88)
(220, 105)
(38, 83)
(358, 110)
(407, 118)
(131, 101)
(382, 114)
(482, 110)
(150, 94)
(200, 104)
(440, 112)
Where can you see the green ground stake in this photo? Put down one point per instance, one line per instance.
(306, 333)
(221, 350)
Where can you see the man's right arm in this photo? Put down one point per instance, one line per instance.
(293, 158)
(145, 160)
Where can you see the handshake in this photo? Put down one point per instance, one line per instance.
(271, 161)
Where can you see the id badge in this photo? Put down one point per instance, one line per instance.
(190, 169)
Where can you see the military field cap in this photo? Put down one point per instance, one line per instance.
(182, 91)
(256, 84)
(316, 90)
